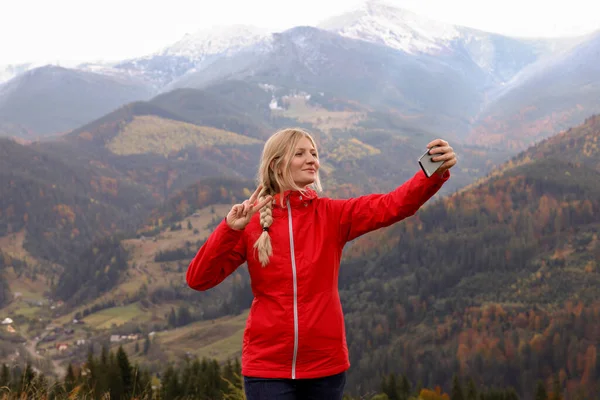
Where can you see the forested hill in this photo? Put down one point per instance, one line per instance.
(500, 281)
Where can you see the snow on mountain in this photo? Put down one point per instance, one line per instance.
(219, 40)
(194, 51)
(378, 22)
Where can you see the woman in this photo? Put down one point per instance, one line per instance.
(294, 344)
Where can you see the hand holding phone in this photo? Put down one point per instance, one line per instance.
(427, 165)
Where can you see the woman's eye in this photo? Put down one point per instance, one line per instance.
(298, 154)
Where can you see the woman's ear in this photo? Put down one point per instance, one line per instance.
(272, 167)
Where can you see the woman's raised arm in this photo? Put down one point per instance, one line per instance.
(363, 214)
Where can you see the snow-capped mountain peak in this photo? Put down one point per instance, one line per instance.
(379, 22)
(217, 40)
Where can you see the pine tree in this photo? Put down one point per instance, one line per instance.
(556, 389)
(540, 391)
(457, 390)
(471, 390)
(104, 356)
(404, 387)
(214, 380)
(390, 387)
(237, 368)
(146, 344)
(40, 384)
(125, 371)
(4, 376)
(419, 387)
(228, 375)
(90, 365)
(114, 378)
(27, 379)
(183, 316)
(146, 384)
(70, 379)
(170, 384)
(172, 319)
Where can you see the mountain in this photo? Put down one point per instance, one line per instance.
(359, 148)
(435, 76)
(52, 100)
(159, 149)
(543, 99)
(484, 281)
(499, 57)
(234, 105)
(319, 62)
(192, 52)
(380, 22)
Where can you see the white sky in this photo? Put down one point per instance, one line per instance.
(84, 30)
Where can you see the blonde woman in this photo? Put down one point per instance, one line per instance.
(294, 344)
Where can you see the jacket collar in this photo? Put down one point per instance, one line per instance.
(295, 197)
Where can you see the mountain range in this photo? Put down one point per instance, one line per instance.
(113, 175)
(439, 77)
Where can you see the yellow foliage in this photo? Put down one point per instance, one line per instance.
(151, 134)
(65, 212)
(86, 135)
(351, 149)
(590, 266)
(427, 394)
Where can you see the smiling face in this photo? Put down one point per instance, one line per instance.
(304, 163)
(289, 162)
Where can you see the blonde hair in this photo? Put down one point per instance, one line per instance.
(277, 156)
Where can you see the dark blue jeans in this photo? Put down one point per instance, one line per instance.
(327, 388)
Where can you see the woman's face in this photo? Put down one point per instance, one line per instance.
(304, 164)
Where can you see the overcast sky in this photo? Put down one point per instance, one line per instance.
(78, 30)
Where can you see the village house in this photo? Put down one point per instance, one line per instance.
(115, 338)
(62, 347)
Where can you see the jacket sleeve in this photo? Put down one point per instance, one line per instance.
(364, 214)
(222, 253)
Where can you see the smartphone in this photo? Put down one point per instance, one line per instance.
(429, 167)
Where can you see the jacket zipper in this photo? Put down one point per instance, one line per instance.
(295, 290)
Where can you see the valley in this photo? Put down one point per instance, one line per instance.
(113, 175)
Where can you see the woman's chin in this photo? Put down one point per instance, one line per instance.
(305, 183)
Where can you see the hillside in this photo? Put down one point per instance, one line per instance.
(545, 98)
(135, 294)
(491, 281)
(61, 204)
(52, 100)
(487, 280)
(158, 149)
(235, 106)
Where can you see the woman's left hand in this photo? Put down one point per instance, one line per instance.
(443, 152)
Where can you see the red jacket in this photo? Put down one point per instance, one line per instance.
(296, 327)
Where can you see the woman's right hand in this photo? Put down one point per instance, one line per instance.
(240, 214)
